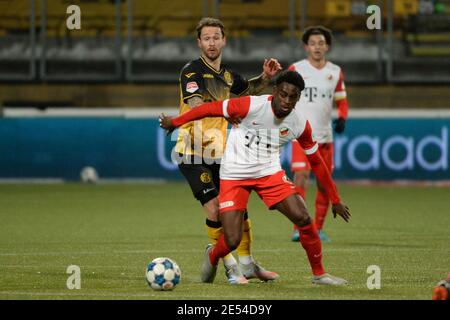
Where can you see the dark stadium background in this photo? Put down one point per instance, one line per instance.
(71, 99)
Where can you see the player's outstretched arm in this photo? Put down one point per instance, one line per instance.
(210, 109)
(236, 108)
(324, 177)
(322, 173)
(270, 68)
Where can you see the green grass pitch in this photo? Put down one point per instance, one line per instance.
(111, 231)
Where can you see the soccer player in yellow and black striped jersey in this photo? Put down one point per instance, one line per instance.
(200, 144)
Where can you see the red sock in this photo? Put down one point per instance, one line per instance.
(220, 250)
(301, 191)
(322, 203)
(309, 238)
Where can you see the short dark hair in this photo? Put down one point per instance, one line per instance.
(291, 77)
(209, 22)
(317, 30)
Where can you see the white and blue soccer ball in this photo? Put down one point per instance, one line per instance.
(163, 274)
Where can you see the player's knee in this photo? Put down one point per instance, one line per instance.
(302, 218)
(212, 209)
(232, 241)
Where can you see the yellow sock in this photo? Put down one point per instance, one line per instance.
(247, 237)
(214, 234)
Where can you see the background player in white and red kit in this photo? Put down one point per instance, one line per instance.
(252, 162)
(324, 84)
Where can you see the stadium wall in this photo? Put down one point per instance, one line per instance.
(378, 145)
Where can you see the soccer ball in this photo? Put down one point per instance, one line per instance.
(163, 274)
(89, 175)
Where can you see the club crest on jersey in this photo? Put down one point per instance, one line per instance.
(330, 77)
(227, 78)
(284, 132)
(205, 177)
(191, 87)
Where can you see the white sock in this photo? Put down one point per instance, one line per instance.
(246, 259)
(229, 261)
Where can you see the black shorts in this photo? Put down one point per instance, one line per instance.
(202, 176)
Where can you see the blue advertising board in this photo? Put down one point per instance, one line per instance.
(120, 147)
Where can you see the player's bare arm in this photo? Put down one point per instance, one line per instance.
(322, 174)
(270, 69)
(195, 102)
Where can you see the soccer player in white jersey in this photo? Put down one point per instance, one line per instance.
(324, 84)
(252, 162)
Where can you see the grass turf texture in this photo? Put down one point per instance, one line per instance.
(113, 231)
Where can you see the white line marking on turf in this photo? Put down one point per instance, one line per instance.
(160, 295)
(131, 271)
(152, 252)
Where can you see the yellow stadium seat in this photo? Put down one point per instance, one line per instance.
(405, 7)
(338, 8)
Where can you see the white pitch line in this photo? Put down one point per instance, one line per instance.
(152, 252)
(68, 252)
(159, 295)
(132, 271)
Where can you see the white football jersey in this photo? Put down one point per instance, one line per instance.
(253, 147)
(322, 87)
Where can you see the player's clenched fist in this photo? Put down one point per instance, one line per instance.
(165, 122)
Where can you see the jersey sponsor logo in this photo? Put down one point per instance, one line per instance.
(205, 177)
(208, 75)
(284, 132)
(227, 77)
(191, 87)
(188, 75)
(310, 93)
(226, 204)
(252, 139)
